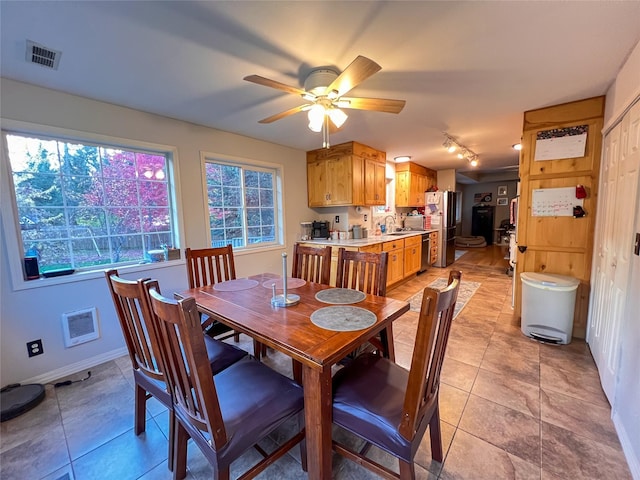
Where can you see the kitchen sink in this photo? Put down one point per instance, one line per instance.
(395, 234)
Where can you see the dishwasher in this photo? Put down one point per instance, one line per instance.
(426, 253)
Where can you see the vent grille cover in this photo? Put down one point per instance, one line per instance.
(41, 55)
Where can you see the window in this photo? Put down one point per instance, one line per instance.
(83, 205)
(243, 203)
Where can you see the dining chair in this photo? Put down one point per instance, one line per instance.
(390, 407)
(208, 266)
(140, 334)
(312, 264)
(366, 272)
(226, 414)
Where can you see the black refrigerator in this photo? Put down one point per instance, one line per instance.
(482, 222)
(442, 207)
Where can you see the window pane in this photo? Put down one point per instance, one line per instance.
(86, 206)
(242, 204)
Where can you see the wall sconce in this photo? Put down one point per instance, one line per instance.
(452, 146)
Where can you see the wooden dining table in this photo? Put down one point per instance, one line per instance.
(291, 331)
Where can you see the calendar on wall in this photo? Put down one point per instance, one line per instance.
(554, 202)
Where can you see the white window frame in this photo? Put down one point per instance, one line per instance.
(279, 197)
(10, 221)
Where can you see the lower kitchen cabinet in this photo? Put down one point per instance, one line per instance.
(412, 255)
(395, 260)
(433, 237)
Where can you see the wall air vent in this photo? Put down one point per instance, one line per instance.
(41, 55)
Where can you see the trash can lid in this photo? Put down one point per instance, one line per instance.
(550, 281)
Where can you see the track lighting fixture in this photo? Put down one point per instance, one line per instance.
(463, 152)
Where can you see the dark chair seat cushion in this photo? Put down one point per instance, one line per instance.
(254, 400)
(216, 328)
(368, 400)
(222, 355)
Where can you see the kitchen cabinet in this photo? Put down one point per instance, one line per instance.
(346, 174)
(375, 182)
(404, 254)
(412, 180)
(335, 181)
(412, 255)
(433, 239)
(395, 260)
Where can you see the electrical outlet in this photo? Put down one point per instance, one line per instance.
(35, 348)
(337, 220)
(365, 217)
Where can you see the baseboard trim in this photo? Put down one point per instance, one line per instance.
(67, 370)
(627, 447)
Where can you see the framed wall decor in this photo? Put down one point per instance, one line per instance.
(502, 201)
(502, 191)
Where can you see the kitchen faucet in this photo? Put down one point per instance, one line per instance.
(393, 223)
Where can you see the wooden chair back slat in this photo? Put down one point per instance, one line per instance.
(312, 264)
(208, 266)
(363, 271)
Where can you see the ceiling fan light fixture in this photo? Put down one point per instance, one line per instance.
(342, 103)
(316, 117)
(337, 116)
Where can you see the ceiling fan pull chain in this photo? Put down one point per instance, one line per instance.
(325, 132)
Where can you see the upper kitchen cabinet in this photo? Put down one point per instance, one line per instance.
(346, 174)
(412, 180)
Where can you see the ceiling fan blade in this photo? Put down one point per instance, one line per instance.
(286, 113)
(267, 82)
(376, 104)
(357, 71)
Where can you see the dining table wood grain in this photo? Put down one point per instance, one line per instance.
(289, 330)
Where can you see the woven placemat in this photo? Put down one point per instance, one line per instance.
(235, 285)
(291, 283)
(343, 318)
(340, 296)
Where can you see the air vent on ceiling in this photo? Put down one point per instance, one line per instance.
(41, 55)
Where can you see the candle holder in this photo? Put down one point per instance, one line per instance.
(284, 300)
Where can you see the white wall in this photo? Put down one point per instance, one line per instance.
(626, 412)
(35, 313)
(447, 179)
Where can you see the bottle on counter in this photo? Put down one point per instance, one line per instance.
(378, 230)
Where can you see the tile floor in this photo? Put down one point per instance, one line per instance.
(510, 409)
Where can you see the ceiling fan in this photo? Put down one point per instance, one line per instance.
(324, 91)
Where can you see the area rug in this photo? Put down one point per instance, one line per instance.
(466, 291)
(471, 242)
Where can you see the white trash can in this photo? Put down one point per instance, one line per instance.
(548, 303)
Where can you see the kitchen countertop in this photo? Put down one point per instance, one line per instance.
(370, 240)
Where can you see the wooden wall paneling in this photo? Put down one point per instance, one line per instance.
(560, 245)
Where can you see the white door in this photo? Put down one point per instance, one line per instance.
(614, 245)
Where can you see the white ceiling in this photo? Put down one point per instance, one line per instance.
(466, 68)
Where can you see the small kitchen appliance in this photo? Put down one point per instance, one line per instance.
(320, 230)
